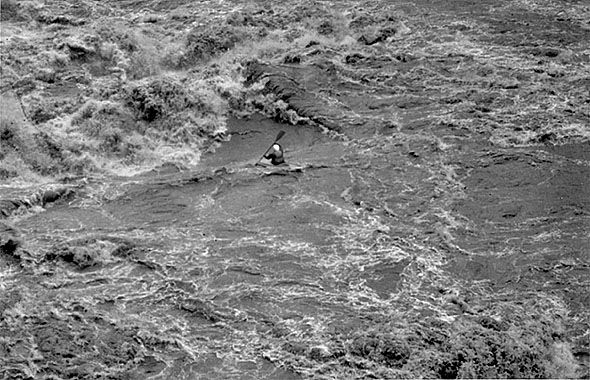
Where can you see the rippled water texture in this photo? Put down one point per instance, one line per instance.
(433, 221)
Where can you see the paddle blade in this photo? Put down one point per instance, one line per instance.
(279, 135)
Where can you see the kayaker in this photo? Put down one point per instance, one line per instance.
(275, 155)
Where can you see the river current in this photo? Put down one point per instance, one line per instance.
(432, 221)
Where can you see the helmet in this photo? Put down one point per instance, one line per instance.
(276, 147)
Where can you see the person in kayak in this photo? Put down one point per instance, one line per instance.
(275, 155)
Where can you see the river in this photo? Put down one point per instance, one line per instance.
(426, 226)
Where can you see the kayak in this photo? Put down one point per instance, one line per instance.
(280, 169)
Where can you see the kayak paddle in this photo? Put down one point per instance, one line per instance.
(279, 136)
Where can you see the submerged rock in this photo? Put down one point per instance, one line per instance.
(78, 48)
(9, 241)
(377, 36)
(304, 103)
(41, 198)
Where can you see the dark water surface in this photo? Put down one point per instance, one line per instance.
(433, 222)
(220, 271)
